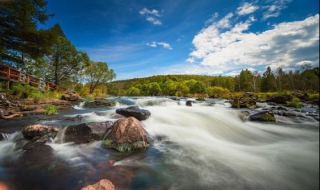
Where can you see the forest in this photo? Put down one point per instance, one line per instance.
(48, 54)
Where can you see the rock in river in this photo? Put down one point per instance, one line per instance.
(134, 111)
(103, 184)
(86, 132)
(37, 131)
(126, 134)
(264, 116)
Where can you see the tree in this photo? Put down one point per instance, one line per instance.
(169, 88)
(97, 73)
(280, 76)
(154, 89)
(65, 62)
(133, 91)
(182, 89)
(20, 40)
(267, 81)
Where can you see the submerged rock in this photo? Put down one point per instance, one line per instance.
(86, 132)
(126, 134)
(189, 103)
(134, 111)
(264, 116)
(103, 184)
(37, 131)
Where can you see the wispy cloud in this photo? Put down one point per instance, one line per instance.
(274, 9)
(163, 44)
(247, 8)
(151, 15)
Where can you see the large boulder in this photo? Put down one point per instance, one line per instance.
(103, 184)
(126, 134)
(71, 96)
(37, 131)
(134, 111)
(279, 99)
(86, 132)
(98, 103)
(263, 116)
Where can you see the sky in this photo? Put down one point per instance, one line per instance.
(140, 38)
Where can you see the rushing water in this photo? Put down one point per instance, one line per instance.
(206, 146)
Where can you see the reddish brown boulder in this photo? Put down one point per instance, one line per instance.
(126, 134)
(103, 184)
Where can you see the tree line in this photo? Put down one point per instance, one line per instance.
(305, 79)
(45, 53)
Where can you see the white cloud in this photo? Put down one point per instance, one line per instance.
(286, 44)
(163, 44)
(146, 11)
(153, 20)
(153, 44)
(225, 22)
(274, 9)
(247, 8)
(151, 15)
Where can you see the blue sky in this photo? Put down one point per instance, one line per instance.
(139, 38)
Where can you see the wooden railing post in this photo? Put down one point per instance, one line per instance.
(8, 74)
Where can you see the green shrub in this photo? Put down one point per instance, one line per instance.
(90, 98)
(50, 110)
(313, 96)
(295, 102)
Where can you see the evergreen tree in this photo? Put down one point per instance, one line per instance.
(20, 38)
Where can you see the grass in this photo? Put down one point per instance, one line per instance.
(295, 102)
(50, 110)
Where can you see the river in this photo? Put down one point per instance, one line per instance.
(205, 146)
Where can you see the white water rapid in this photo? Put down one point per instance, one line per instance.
(205, 146)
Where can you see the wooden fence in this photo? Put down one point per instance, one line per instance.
(8, 74)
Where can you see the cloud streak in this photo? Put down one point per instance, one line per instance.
(163, 44)
(151, 15)
(247, 8)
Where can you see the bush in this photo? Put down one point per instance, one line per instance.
(50, 110)
(295, 102)
(313, 96)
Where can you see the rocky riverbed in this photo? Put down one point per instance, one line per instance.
(172, 146)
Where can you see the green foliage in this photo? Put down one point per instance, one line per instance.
(133, 92)
(295, 102)
(218, 92)
(50, 110)
(154, 89)
(65, 62)
(182, 89)
(314, 96)
(21, 40)
(90, 98)
(97, 73)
